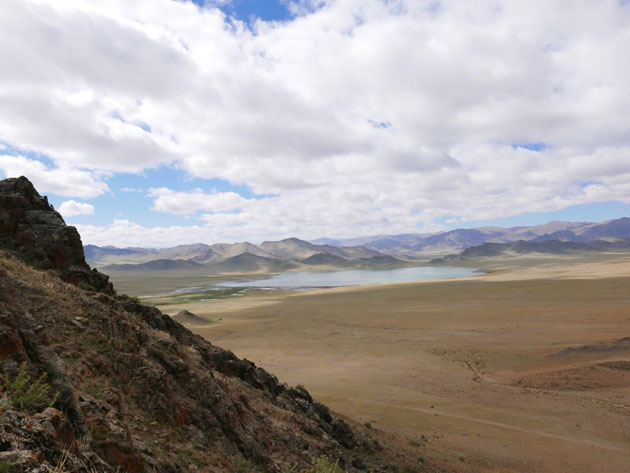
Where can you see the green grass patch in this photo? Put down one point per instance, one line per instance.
(201, 296)
(6, 467)
(27, 395)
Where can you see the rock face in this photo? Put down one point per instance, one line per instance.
(29, 223)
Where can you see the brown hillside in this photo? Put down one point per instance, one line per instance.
(138, 391)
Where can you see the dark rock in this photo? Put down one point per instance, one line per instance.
(322, 411)
(30, 224)
(343, 434)
(299, 393)
(11, 346)
(358, 463)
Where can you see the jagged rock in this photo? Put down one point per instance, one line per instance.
(343, 433)
(29, 223)
(358, 463)
(322, 411)
(40, 442)
(11, 347)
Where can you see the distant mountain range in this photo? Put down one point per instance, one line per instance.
(379, 251)
(414, 244)
(521, 247)
(270, 256)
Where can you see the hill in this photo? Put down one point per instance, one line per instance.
(249, 263)
(325, 259)
(136, 390)
(186, 317)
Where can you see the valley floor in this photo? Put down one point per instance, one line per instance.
(525, 369)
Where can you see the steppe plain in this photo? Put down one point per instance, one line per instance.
(523, 369)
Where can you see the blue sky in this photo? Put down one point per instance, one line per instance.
(244, 10)
(163, 124)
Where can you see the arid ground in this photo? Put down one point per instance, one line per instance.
(525, 369)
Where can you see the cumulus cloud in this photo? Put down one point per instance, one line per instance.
(355, 114)
(188, 203)
(126, 233)
(64, 181)
(71, 208)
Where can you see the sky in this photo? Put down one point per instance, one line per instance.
(162, 122)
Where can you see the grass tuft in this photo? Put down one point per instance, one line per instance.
(23, 394)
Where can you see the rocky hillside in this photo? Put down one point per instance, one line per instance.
(136, 391)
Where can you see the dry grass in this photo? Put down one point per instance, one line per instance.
(444, 359)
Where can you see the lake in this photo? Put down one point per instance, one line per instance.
(353, 277)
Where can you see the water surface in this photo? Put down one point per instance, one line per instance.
(354, 277)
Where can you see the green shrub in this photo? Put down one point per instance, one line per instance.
(6, 467)
(86, 286)
(127, 298)
(325, 465)
(22, 394)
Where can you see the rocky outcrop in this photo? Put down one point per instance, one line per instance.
(30, 224)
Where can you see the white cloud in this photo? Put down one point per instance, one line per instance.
(188, 203)
(64, 181)
(290, 108)
(126, 233)
(71, 208)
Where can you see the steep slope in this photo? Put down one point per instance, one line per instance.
(138, 391)
(619, 228)
(147, 388)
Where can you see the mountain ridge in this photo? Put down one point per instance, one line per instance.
(462, 238)
(287, 249)
(523, 247)
(355, 251)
